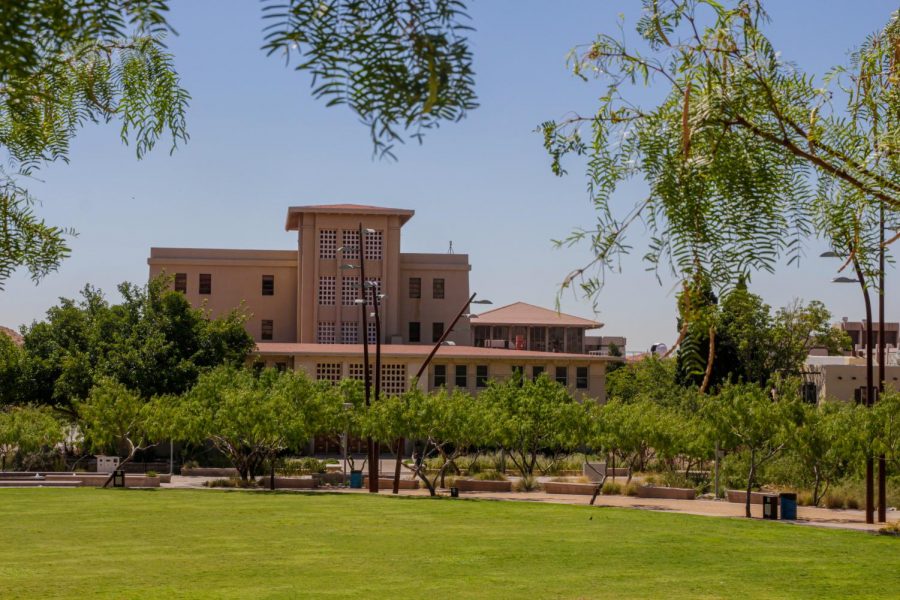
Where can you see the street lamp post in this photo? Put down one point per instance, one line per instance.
(421, 370)
(870, 387)
(882, 463)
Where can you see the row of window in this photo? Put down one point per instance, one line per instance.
(415, 332)
(461, 375)
(393, 376)
(204, 284)
(437, 288)
(349, 289)
(349, 248)
(326, 332)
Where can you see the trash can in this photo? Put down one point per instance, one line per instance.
(119, 478)
(454, 492)
(356, 479)
(770, 506)
(788, 502)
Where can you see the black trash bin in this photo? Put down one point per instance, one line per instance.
(454, 492)
(770, 507)
(788, 502)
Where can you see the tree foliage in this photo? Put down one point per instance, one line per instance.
(744, 153)
(400, 66)
(154, 343)
(26, 429)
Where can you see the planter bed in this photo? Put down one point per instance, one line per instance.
(291, 483)
(331, 478)
(209, 472)
(483, 485)
(32, 482)
(562, 487)
(388, 484)
(740, 496)
(649, 491)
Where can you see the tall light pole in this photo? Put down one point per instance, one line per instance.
(870, 387)
(882, 463)
(421, 370)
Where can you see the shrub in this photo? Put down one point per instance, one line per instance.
(805, 498)
(490, 476)
(151, 474)
(310, 464)
(526, 484)
(853, 502)
(232, 482)
(190, 464)
(631, 489)
(892, 528)
(611, 488)
(834, 499)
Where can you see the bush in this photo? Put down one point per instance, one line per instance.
(805, 498)
(151, 474)
(232, 482)
(631, 489)
(834, 499)
(611, 488)
(526, 484)
(190, 464)
(490, 476)
(853, 502)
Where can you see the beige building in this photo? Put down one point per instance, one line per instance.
(844, 377)
(305, 312)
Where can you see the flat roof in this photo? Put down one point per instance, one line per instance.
(294, 212)
(416, 351)
(522, 313)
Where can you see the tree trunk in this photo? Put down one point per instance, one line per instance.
(750, 482)
(707, 376)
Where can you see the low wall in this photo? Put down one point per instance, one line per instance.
(649, 491)
(97, 480)
(291, 483)
(561, 487)
(388, 484)
(483, 485)
(209, 472)
(740, 496)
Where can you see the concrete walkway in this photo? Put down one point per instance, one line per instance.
(819, 517)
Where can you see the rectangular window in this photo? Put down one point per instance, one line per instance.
(349, 333)
(349, 290)
(415, 332)
(437, 289)
(440, 375)
(181, 282)
(810, 393)
(393, 379)
(268, 285)
(536, 372)
(327, 290)
(518, 373)
(371, 330)
(481, 376)
(327, 243)
(415, 287)
(437, 330)
(350, 244)
(205, 286)
(325, 332)
(281, 367)
(267, 329)
(462, 376)
(355, 371)
(562, 375)
(581, 378)
(373, 289)
(374, 243)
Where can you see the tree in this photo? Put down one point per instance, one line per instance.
(154, 343)
(651, 377)
(63, 64)
(12, 371)
(114, 418)
(743, 151)
(798, 328)
(745, 417)
(531, 416)
(447, 424)
(343, 414)
(249, 418)
(828, 442)
(27, 429)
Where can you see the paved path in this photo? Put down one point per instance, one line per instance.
(821, 517)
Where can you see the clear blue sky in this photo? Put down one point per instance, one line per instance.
(259, 144)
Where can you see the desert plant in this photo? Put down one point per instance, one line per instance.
(611, 488)
(490, 476)
(151, 474)
(834, 499)
(527, 484)
(631, 489)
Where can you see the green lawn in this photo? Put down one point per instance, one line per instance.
(88, 543)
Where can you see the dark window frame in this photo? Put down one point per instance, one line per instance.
(438, 288)
(440, 376)
(564, 378)
(204, 287)
(181, 282)
(581, 381)
(461, 373)
(437, 331)
(536, 371)
(481, 376)
(415, 333)
(415, 287)
(268, 285)
(267, 329)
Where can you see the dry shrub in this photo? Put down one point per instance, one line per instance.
(611, 488)
(834, 500)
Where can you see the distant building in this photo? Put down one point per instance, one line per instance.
(844, 377)
(857, 332)
(304, 313)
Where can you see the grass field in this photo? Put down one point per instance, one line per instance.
(88, 543)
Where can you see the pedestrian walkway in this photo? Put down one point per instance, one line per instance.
(806, 515)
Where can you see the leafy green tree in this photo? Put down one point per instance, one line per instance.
(745, 417)
(154, 343)
(651, 378)
(534, 416)
(114, 418)
(797, 329)
(249, 418)
(446, 424)
(27, 429)
(828, 443)
(742, 152)
(343, 414)
(12, 371)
